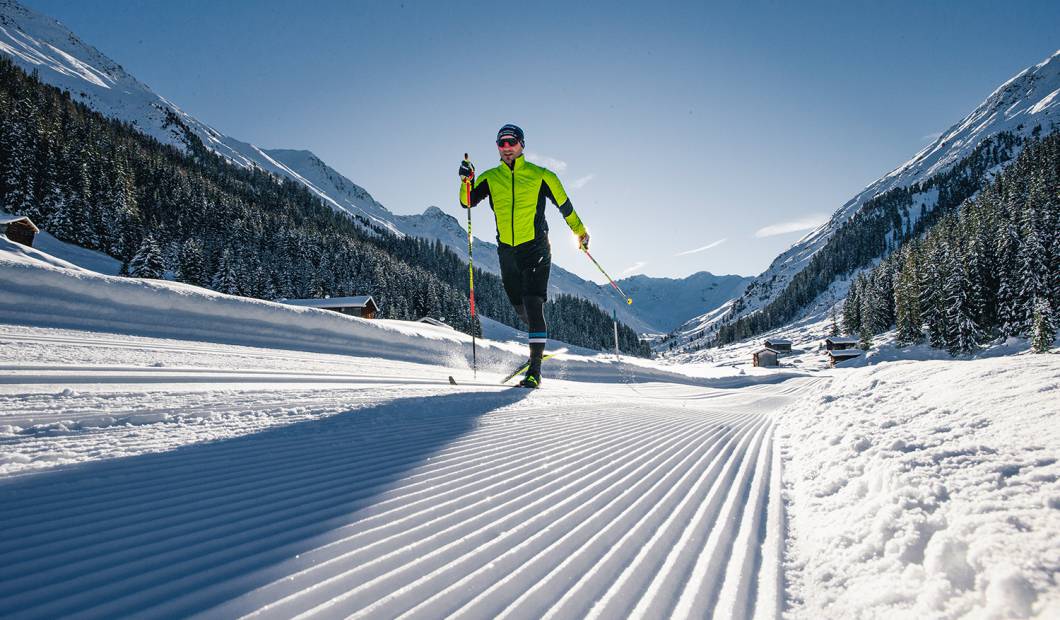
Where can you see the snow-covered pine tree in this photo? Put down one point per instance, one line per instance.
(908, 323)
(191, 263)
(852, 306)
(932, 308)
(1043, 330)
(1031, 271)
(147, 263)
(1006, 249)
(964, 334)
(225, 278)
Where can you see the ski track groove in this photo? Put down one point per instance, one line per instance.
(660, 503)
(580, 549)
(266, 489)
(576, 508)
(385, 576)
(654, 533)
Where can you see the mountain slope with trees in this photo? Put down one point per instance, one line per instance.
(103, 185)
(987, 270)
(960, 162)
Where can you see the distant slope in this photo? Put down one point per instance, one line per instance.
(673, 300)
(1026, 105)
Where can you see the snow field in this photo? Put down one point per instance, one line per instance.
(927, 489)
(370, 500)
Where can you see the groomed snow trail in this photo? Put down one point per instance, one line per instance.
(578, 500)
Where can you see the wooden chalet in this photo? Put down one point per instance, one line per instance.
(841, 355)
(765, 357)
(361, 305)
(18, 228)
(778, 344)
(840, 343)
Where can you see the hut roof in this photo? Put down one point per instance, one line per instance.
(777, 341)
(8, 219)
(433, 321)
(844, 353)
(841, 340)
(358, 301)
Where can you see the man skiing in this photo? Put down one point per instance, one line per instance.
(517, 190)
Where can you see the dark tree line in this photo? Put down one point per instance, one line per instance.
(990, 269)
(103, 185)
(883, 224)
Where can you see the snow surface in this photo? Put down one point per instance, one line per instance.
(927, 489)
(169, 451)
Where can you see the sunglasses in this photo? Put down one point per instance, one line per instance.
(507, 142)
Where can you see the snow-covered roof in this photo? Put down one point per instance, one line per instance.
(7, 219)
(845, 353)
(769, 341)
(433, 321)
(841, 340)
(358, 301)
(764, 350)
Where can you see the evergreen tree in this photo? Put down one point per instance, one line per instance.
(964, 334)
(225, 279)
(147, 263)
(907, 299)
(191, 263)
(852, 306)
(1043, 332)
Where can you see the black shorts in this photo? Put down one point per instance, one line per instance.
(524, 269)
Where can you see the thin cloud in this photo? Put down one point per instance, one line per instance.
(581, 182)
(553, 164)
(783, 228)
(636, 267)
(931, 137)
(702, 249)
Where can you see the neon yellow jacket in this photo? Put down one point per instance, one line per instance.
(517, 196)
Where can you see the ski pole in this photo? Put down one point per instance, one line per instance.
(629, 300)
(471, 272)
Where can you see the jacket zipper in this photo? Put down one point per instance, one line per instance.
(513, 205)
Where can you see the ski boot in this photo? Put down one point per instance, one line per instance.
(532, 378)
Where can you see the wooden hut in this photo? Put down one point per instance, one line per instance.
(361, 305)
(778, 344)
(765, 357)
(18, 228)
(841, 355)
(840, 343)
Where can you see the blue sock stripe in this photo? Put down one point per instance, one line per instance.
(537, 334)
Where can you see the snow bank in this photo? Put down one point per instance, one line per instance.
(41, 290)
(927, 490)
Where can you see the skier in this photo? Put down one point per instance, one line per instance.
(517, 190)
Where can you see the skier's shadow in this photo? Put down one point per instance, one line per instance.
(178, 532)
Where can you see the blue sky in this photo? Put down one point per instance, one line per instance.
(690, 136)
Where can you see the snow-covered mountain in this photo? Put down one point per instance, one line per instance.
(676, 299)
(39, 43)
(1028, 104)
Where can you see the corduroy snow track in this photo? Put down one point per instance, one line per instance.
(382, 500)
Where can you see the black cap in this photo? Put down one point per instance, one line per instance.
(511, 131)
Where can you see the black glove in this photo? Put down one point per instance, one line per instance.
(467, 170)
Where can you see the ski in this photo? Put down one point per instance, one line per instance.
(526, 365)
